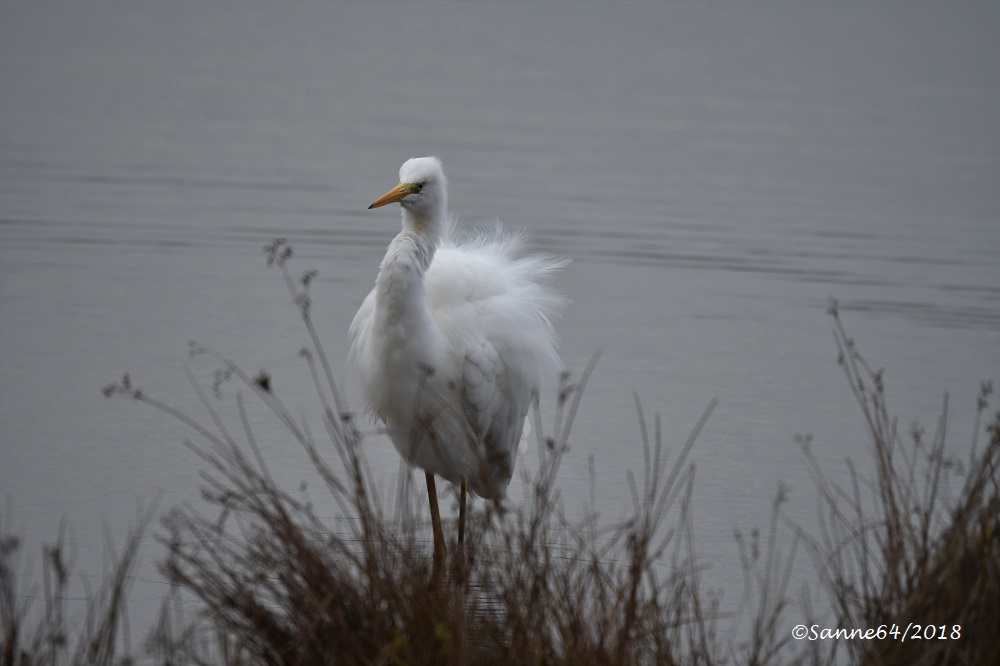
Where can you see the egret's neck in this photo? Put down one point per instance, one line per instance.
(402, 319)
(401, 300)
(400, 283)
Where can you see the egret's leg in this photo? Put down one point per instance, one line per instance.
(439, 549)
(463, 490)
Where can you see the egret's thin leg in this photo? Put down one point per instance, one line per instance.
(463, 490)
(439, 549)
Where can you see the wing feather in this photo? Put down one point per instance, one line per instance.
(493, 305)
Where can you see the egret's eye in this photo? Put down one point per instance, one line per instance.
(417, 187)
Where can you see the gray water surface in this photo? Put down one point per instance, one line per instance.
(716, 172)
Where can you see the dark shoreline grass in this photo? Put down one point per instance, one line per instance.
(918, 541)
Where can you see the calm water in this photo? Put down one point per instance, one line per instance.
(715, 171)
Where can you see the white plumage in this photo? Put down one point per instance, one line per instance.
(455, 338)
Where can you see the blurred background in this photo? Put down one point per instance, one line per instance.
(716, 172)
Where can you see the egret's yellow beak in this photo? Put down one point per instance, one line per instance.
(393, 195)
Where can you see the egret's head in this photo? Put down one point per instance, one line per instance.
(421, 190)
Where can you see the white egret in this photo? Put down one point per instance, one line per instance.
(453, 342)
